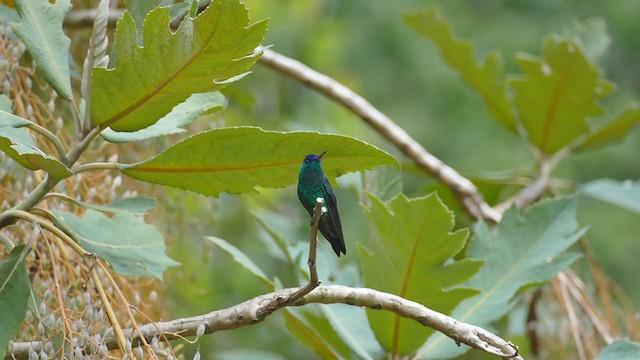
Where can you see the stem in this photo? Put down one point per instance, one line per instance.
(279, 303)
(95, 166)
(20, 214)
(40, 130)
(121, 340)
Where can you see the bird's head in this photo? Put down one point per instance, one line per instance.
(313, 157)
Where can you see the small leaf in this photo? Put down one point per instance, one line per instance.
(8, 119)
(20, 147)
(138, 205)
(621, 349)
(172, 123)
(41, 30)
(126, 241)
(486, 78)
(625, 194)
(242, 259)
(147, 82)
(237, 160)
(520, 251)
(613, 129)
(14, 294)
(414, 260)
(556, 94)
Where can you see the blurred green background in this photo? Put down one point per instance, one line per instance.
(365, 45)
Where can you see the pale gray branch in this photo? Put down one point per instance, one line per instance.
(252, 311)
(466, 191)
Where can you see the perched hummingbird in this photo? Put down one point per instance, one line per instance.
(312, 184)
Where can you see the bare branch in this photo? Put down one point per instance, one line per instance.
(248, 313)
(465, 190)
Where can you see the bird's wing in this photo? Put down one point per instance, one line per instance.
(332, 207)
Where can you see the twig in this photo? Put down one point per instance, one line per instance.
(45, 133)
(95, 166)
(565, 300)
(279, 303)
(247, 313)
(113, 319)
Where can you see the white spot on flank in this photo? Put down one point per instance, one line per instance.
(546, 69)
(320, 200)
(323, 210)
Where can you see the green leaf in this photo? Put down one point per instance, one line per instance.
(625, 194)
(242, 259)
(485, 78)
(621, 349)
(238, 159)
(303, 332)
(201, 56)
(14, 294)
(613, 129)
(138, 205)
(20, 147)
(126, 241)
(414, 260)
(353, 328)
(8, 119)
(520, 251)
(556, 94)
(172, 123)
(41, 30)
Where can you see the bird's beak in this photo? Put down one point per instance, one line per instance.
(321, 155)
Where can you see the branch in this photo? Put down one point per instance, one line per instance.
(466, 191)
(248, 313)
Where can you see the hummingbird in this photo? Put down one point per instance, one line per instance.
(313, 184)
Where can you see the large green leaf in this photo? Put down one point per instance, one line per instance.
(414, 260)
(624, 194)
(621, 349)
(520, 251)
(237, 160)
(556, 94)
(126, 241)
(41, 30)
(14, 294)
(172, 123)
(613, 129)
(20, 147)
(486, 78)
(203, 55)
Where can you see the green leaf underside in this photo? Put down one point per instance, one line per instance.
(485, 78)
(41, 30)
(131, 246)
(415, 243)
(14, 294)
(172, 123)
(8, 119)
(242, 259)
(147, 82)
(520, 251)
(556, 94)
(239, 159)
(613, 129)
(20, 147)
(623, 194)
(138, 205)
(304, 333)
(621, 349)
